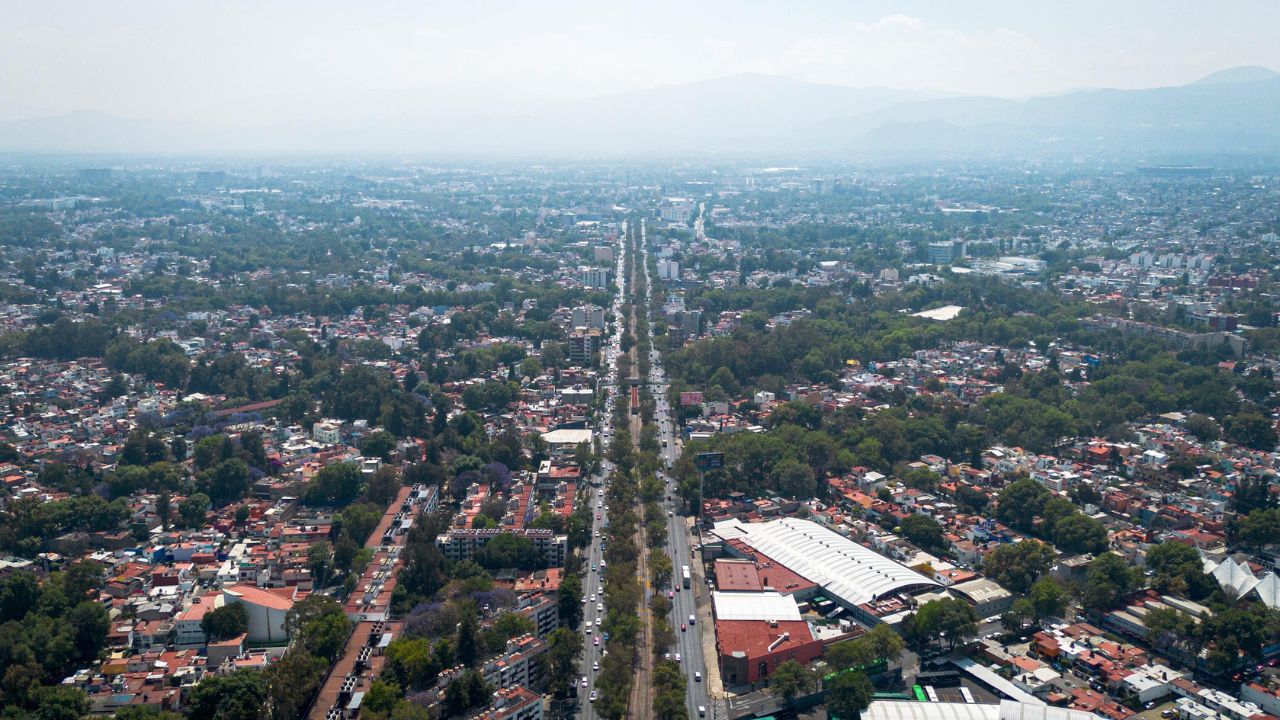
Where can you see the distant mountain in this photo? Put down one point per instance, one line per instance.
(1242, 74)
(1234, 111)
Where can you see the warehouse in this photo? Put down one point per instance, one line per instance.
(845, 571)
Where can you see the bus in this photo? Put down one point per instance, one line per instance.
(684, 574)
(919, 693)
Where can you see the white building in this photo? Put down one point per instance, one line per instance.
(267, 612)
(668, 270)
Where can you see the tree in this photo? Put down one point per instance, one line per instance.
(1017, 566)
(468, 643)
(1079, 533)
(1019, 616)
(948, 620)
(1203, 427)
(193, 510)
(381, 697)
(379, 444)
(1178, 569)
(227, 481)
(230, 620)
(1260, 528)
(848, 694)
(320, 562)
(469, 690)
(1047, 598)
(564, 647)
(336, 484)
(1108, 580)
(319, 625)
(924, 531)
(412, 663)
(788, 680)
(1250, 429)
(291, 682)
(383, 486)
(569, 600)
(1021, 502)
(242, 695)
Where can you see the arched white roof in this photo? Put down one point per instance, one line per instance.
(852, 573)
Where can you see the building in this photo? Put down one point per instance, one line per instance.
(587, 316)
(668, 271)
(602, 253)
(684, 323)
(676, 210)
(514, 703)
(986, 595)
(327, 432)
(848, 573)
(1006, 710)
(594, 278)
(941, 253)
(584, 343)
(463, 543)
(267, 611)
(757, 631)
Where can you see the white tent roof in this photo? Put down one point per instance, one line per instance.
(1006, 710)
(1268, 590)
(852, 573)
(1234, 577)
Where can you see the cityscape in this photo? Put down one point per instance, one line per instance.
(942, 405)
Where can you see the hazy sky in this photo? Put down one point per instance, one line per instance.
(263, 61)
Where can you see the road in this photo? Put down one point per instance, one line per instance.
(689, 641)
(593, 578)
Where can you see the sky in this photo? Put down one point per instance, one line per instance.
(234, 61)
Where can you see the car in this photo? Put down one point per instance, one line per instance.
(670, 513)
(597, 622)
(592, 597)
(702, 712)
(593, 568)
(584, 681)
(602, 589)
(670, 595)
(584, 601)
(697, 677)
(666, 656)
(677, 656)
(692, 620)
(682, 627)
(1166, 713)
(589, 629)
(594, 695)
(599, 607)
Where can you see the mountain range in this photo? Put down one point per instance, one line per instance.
(1231, 112)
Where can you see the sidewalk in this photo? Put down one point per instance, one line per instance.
(702, 600)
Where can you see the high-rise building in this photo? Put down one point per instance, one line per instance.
(588, 316)
(594, 278)
(668, 271)
(941, 253)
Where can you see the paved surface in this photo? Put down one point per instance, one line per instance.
(593, 580)
(696, 642)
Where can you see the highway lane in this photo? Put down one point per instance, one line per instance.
(688, 643)
(593, 578)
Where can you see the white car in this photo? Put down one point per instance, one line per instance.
(677, 657)
(599, 607)
(584, 681)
